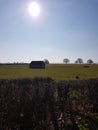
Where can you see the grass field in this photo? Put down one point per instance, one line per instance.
(56, 71)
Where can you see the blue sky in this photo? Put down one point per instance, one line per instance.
(64, 29)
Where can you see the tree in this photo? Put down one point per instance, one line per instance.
(66, 60)
(46, 61)
(76, 62)
(79, 61)
(89, 61)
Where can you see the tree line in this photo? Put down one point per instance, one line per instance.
(46, 61)
(78, 61)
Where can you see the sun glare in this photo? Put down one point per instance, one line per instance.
(34, 9)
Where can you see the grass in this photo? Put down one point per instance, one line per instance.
(56, 71)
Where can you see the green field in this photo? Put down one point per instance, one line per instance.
(56, 71)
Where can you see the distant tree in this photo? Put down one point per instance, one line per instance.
(46, 61)
(89, 61)
(66, 60)
(79, 61)
(76, 62)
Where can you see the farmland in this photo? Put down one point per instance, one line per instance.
(55, 71)
(42, 104)
(68, 100)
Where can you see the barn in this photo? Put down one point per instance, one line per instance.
(37, 64)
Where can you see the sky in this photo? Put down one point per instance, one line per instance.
(64, 29)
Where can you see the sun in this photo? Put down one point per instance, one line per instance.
(34, 9)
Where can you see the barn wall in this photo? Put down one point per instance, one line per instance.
(37, 64)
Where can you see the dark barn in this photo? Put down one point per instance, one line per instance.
(37, 64)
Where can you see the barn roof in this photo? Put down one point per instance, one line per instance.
(37, 61)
